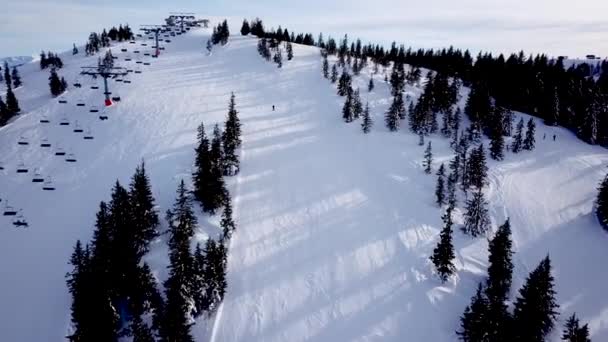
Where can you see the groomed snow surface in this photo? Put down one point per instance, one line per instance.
(335, 228)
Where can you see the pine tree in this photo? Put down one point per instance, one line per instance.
(440, 188)
(231, 140)
(535, 308)
(145, 217)
(55, 83)
(357, 105)
(476, 217)
(428, 159)
(601, 202)
(443, 254)
(278, 58)
(391, 117)
(473, 325)
(289, 48)
(420, 138)
(12, 105)
(74, 50)
(216, 189)
(227, 224)
(517, 143)
(245, 29)
(16, 78)
(334, 73)
(325, 66)
(182, 222)
(4, 114)
(7, 75)
(347, 112)
(451, 197)
(370, 85)
(529, 140)
(573, 332)
(477, 171)
(344, 84)
(498, 284)
(366, 124)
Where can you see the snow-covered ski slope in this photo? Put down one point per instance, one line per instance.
(334, 227)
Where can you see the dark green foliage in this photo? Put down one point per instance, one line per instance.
(347, 108)
(498, 284)
(145, 217)
(366, 123)
(231, 139)
(289, 49)
(473, 324)
(344, 83)
(7, 75)
(12, 105)
(535, 308)
(477, 171)
(392, 116)
(16, 78)
(440, 188)
(278, 58)
(334, 73)
(227, 223)
(209, 188)
(220, 33)
(517, 144)
(74, 50)
(55, 84)
(602, 203)
(325, 66)
(370, 85)
(245, 29)
(476, 217)
(529, 140)
(573, 332)
(428, 159)
(443, 254)
(357, 106)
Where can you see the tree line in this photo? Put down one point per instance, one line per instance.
(10, 108)
(114, 293)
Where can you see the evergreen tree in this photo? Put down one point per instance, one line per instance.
(216, 189)
(477, 171)
(344, 84)
(428, 159)
(476, 217)
(12, 105)
(498, 284)
(440, 188)
(357, 105)
(573, 332)
(325, 67)
(227, 224)
(370, 85)
(517, 143)
(473, 324)
(4, 114)
(278, 58)
(451, 197)
(74, 50)
(289, 48)
(16, 78)
(497, 143)
(178, 287)
(601, 201)
(420, 138)
(231, 139)
(366, 124)
(7, 75)
(443, 254)
(145, 217)
(215, 273)
(245, 29)
(391, 117)
(529, 140)
(347, 112)
(55, 83)
(535, 308)
(334, 73)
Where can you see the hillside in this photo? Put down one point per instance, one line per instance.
(335, 228)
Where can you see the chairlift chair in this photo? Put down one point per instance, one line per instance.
(1, 166)
(77, 128)
(138, 35)
(22, 141)
(64, 122)
(60, 152)
(71, 158)
(146, 54)
(9, 211)
(44, 119)
(136, 51)
(77, 84)
(128, 59)
(132, 42)
(94, 109)
(21, 168)
(144, 44)
(167, 40)
(103, 116)
(80, 103)
(37, 177)
(123, 50)
(88, 135)
(45, 143)
(94, 87)
(48, 185)
(63, 101)
(20, 221)
(146, 63)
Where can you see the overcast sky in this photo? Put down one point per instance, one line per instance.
(557, 27)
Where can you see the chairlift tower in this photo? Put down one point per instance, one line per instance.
(156, 29)
(182, 16)
(105, 72)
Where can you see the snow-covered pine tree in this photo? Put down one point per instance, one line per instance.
(602, 203)
(366, 124)
(325, 66)
(446, 124)
(529, 140)
(278, 58)
(16, 78)
(231, 140)
(334, 73)
(12, 105)
(55, 83)
(517, 143)
(440, 188)
(145, 218)
(217, 189)
(357, 105)
(344, 83)
(535, 308)
(392, 115)
(176, 314)
(245, 29)
(477, 171)
(473, 324)
(498, 284)
(227, 223)
(289, 49)
(428, 159)
(443, 254)
(451, 196)
(7, 75)
(4, 114)
(573, 332)
(497, 142)
(476, 218)
(347, 109)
